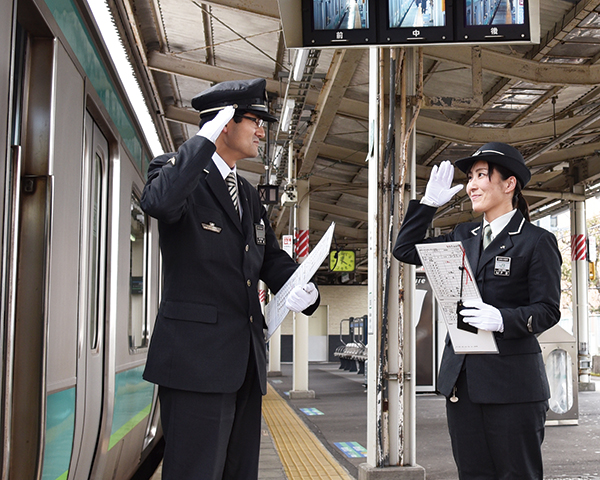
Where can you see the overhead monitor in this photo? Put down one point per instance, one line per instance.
(356, 23)
(415, 21)
(343, 23)
(506, 21)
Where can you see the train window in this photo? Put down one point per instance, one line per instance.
(138, 323)
(94, 255)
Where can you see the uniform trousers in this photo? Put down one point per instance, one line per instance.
(495, 441)
(212, 436)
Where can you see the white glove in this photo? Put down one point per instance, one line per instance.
(439, 190)
(211, 130)
(301, 297)
(482, 316)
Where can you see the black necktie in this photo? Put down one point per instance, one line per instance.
(232, 186)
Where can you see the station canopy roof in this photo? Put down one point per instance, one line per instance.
(543, 99)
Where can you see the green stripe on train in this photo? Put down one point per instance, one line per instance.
(125, 429)
(133, 400)
(60, 423)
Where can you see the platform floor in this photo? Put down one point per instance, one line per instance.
(324, 437)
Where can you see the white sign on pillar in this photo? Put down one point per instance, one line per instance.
(288, 244)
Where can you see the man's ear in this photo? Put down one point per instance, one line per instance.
(226, 127)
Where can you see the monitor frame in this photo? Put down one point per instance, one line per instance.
(527, 32)
(302, 34)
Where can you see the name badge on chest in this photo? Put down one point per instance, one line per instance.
(502, 266)
(211, 227)
(259, 234)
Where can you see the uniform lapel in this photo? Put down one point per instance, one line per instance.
(503, 242)
(472, 246)
(219, 188)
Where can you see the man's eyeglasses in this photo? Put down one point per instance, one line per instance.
(259, 121)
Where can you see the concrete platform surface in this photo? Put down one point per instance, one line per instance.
(570, 452)
(337, 416)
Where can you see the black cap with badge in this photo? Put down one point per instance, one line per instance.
(243, 95)
(500, 154)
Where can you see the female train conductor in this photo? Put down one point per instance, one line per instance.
(495, 403)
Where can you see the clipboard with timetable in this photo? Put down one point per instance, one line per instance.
(452, 279)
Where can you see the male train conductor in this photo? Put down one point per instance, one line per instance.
(207, 352)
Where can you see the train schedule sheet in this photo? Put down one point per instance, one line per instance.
(452, 279)
(275, 311)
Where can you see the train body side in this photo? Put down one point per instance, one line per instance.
(80, 260)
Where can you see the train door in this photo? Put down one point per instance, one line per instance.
(92, 294)
(47, 130)
(133, 280)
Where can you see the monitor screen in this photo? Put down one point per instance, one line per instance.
(340, 14)
(415, 21)
(338, 22)
(416, 13)
(494, 21)
(501, 12)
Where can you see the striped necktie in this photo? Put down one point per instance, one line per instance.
(233, 191)
(487, 236)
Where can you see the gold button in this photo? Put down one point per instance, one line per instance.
(247, 248)
(251, 319)
(249, 283)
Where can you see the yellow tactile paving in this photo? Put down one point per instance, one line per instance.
(301, 453)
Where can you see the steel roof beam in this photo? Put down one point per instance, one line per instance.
(174, 65)
(451, 132)
(519, 68)
(565, 154)
(480, 135)
(178, 66)
(340, 230)
(339, 211)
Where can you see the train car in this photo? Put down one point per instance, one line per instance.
(80, 264)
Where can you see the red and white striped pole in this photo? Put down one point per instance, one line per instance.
(301, 246)
(578, 247)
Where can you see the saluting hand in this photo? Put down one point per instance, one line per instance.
(212, 129)
(482, 316)
(439, 190)
(301, 297)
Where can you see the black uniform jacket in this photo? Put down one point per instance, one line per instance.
(212, 262)
(528, 299)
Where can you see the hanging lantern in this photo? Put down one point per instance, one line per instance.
(268, 194)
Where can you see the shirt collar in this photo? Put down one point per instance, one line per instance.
(498, 224)
(223, 167)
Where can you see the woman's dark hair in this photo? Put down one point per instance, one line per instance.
(518, 200)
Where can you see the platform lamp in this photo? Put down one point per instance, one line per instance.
(268, 194)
